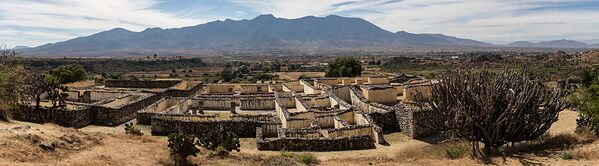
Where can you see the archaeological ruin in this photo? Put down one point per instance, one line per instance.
(323, 114)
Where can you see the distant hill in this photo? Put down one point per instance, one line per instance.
(552, 44)
(590, 56)
(263, 32)
(20, 47)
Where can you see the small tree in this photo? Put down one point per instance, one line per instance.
(35, 86)
(220, 141)
(56, 91)
(181, 146)
(493, 108)
(586, 99)
(227, 75)
(11, 82)
(344, 67)
(69, 73)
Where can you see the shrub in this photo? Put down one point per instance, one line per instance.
(566, 155)
(455, 151)
(181, 146)
(510, 105)
(586, 99)
(132, 130)
(287, 154)
(220, 141)
(307, 158)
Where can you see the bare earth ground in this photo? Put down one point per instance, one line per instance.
(23, 143)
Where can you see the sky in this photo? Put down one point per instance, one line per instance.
(36, 22)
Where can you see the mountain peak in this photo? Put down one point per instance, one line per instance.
(153, 29)
(265, 16)
(119, 30)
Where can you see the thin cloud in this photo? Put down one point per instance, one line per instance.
(76, 15)
(29, 22)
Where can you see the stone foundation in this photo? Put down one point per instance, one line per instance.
(60, 116)
(313, 144)
(148, 84)
(242, 126)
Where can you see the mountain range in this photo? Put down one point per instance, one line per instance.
(264, 32)
(554, 44)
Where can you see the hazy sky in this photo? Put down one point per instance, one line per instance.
(36, 22)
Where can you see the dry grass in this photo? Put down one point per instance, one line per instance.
(546, 142)
(451, 150)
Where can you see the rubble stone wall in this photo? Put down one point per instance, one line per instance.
(313, 144)
(166, 124)
(63, 117)
(257, 103)
(141, 83)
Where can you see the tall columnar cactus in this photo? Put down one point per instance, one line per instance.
(493, 109)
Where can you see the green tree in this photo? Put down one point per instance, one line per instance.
(69, 73)
(344, 67)
(227, 75)
(12, 79)
(56, 91)
(586, 99)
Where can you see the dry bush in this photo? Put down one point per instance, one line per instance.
(588, 154)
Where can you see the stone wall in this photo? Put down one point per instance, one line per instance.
(313, 144)
(113, 116)
(257, 103)
(162, 106)
(243, 126)
(293, 87)
(411, 121)
(220, 89)
(387, 121)
(61, 116)
(148, 84)
(246, 89)
(217, 103)
(414, 93)
(185, 89)
(383, 94)
(377, 80)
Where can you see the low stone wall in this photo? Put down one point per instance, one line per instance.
(242, 127)
(108, 116)
(257, 103)
(313, 144)
(217, 103)
(416, 93)
(60, 116)
(141, 83)
(192, 89)
(162, 106)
